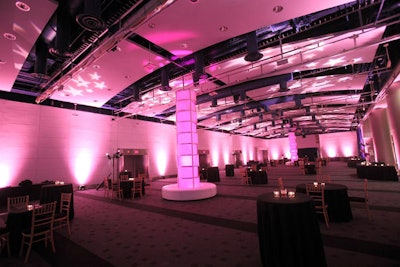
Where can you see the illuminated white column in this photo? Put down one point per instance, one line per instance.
(188, 186)
(187, 139)
(293, 147)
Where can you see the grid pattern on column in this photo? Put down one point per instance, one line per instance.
(187, 139)
(293, 147)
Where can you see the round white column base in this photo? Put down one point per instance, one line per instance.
(173, 192)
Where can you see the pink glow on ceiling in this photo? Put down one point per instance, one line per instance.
(181, 53)
(172, 36)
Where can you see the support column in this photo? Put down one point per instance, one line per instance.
(188, 186)
(393, 110)
(381, 136)
(293, 147)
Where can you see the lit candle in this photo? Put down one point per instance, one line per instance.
(322, 184)
(315, 184)
(276, 194)
(283, 192)
(291, 194)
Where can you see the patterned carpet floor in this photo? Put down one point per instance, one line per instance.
(220, 231)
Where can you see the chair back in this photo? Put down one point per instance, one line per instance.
(317, 193)
(43, 217)
(65, 203)
(324, 178)
(17, 202)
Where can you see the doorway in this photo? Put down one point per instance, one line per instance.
(134, 164)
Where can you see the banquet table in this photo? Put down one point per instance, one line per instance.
(288, 232)
(52, 192)
(339, 209)
(229, 170)
(258, 177)
(213, 174)
(16, 222)
(377, 172)
(310, 168)
(126, 186)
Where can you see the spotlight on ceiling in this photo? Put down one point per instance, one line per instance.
(283, 86)
(41, 51)
(199, 73)
(165, 80)
(252, 48)
(63, 35)
(236, 98)
(214, 103)
(91, 19)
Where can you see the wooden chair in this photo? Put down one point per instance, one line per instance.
(317, 193)
(364, 199)
(41, 228)
(124, 176)
(5, 240)
(107, 187)
(117, 191)
(302, 167)
(280, 183)
(17, 202)
(324, 178)
(137, 187)
(61, 219)
(246, 179)
(146, 181)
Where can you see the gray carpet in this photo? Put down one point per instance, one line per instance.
(221, 231)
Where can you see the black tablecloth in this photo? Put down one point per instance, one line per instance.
(352, 163)
(15, 224)
(229, 170)
(377, 172)
(258, 177)
(52, 192)
(336, 197)
(126, 186)
(13, 191)
(288, 232)
(213, 174)
(310, 168)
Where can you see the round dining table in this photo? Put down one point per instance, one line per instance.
(339, 209)
(288, 231)
(16, 222)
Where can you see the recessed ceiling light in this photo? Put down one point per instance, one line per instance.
(223, 28)
(2, 61)
(22, 6)
(277, 9)
(194, 1)
(152, 25)
(96, 67)
(10, 36)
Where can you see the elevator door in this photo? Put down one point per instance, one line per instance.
(134, 164)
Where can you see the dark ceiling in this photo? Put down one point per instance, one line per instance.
(258, 71)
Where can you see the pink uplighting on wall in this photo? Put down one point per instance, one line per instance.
(214, 157)
(226, 156)
(5, 175)
(187, 139)
(162, 161)
(347, 151)
(82, 166)
(331, 152)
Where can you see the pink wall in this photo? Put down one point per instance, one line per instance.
(46, 143)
